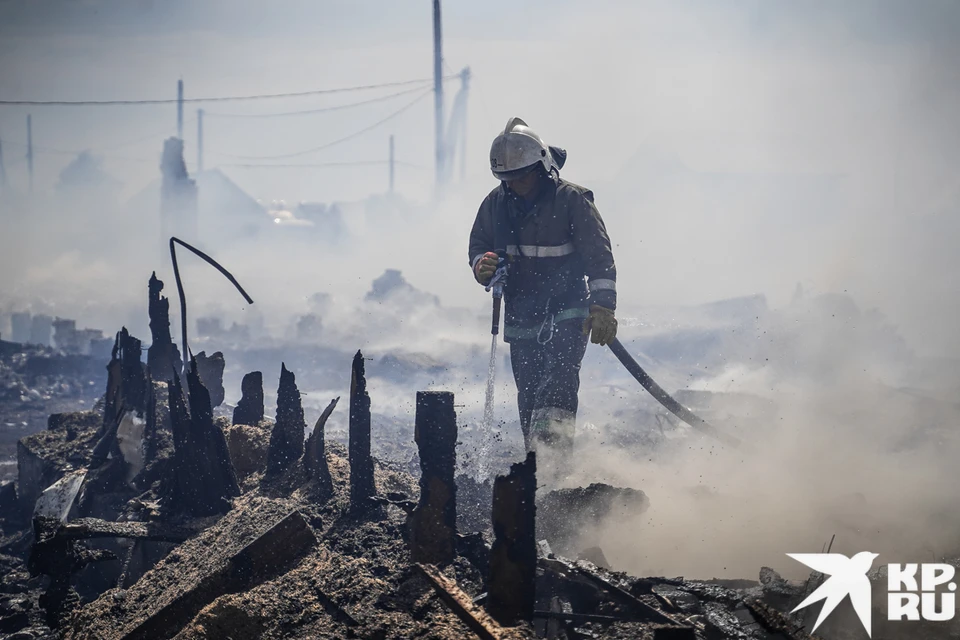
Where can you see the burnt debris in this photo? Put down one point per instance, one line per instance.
(270, 553)
(433, 526)
(315, 455)
(203, 479)
(250, 408)
(210, 368)
(362, 486)
(163, 357)
(286, 440)
(134, 517)
(513, 558)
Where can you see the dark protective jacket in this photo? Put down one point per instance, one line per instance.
(552, 245)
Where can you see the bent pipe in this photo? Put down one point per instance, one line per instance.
(183, 298)
(664, 398)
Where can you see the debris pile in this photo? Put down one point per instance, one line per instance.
(151, 518)
(36, 381)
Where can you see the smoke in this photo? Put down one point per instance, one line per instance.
(735, 149)
(836, 441)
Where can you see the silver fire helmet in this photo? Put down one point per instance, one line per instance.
(518, 150)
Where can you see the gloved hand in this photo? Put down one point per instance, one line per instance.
(601, 325)
(485, 267)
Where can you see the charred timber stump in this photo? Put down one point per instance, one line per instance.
(362, 487)
(211, 369)
(286, 439)
(163, 357)
(203, 476)
(250, 408)
(315, 455)
(133, 380)
(433, 526)
(513, 557)
(111, 398)
(127, 384)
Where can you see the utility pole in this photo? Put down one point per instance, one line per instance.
(465, 88)
(199, 140)
(30, 149)
(180, 109)
(3, 171)
(438, 90)
(391, 164)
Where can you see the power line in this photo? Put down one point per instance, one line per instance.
(64, 152)
(264, 96)
(339, 140)
(320, 110)
(320, 164)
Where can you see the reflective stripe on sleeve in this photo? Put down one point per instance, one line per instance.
(602, 285)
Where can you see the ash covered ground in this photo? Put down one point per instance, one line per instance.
(649, 496)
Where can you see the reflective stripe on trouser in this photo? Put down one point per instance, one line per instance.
(548, 380)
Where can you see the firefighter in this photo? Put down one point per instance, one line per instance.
(561, 286)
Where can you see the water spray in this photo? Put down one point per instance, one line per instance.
(496, 285)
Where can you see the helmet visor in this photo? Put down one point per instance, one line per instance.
(516, 174)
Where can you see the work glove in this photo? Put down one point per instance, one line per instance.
(485, 268)
(601, 326)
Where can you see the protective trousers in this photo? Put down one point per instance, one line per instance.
(547, 372)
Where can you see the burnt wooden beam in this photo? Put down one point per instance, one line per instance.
(461, 604)
(286, 439)
(163, 357)
(582, 617)
(250, 408)
(89, 528)
(270, 554)
(362, 486)
(315, 454)
(775, 622)
(513, 557)
(641, 610)
(433, 526)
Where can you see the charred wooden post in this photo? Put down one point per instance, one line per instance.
(111, 398)
(315, 455)
(211, 369)
(362, 487)
(286, 439)
(433, 527)
(513, 558)
(133, 381)
(127, 387)
(203, 478)
(163, 357)
(128, 401)
(250, 408)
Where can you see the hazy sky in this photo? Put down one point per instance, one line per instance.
(860, 94)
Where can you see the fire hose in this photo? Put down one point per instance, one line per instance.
(496, 285)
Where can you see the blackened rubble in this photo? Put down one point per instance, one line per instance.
(147, 531)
